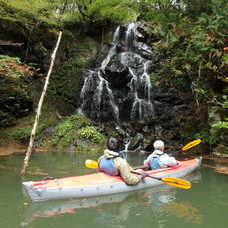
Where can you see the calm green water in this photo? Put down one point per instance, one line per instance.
(204, 205)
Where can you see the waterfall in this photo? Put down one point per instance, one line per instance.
(120, 88)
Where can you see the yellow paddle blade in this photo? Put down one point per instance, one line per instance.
(177, 182)
(191, 144)
(91, 164)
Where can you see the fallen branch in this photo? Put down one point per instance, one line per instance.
(9, 43)
(38, 111)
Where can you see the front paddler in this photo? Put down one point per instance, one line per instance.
(113, 164)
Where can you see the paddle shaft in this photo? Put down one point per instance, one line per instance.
(157, 178)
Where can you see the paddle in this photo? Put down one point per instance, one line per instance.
(171, 181)
(189, 145)
(91, 164)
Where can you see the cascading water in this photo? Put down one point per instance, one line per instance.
(120, 88)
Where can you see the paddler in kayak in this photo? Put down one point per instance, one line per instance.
(158, 159)
(113, 164)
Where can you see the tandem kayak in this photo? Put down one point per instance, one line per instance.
(99, 183)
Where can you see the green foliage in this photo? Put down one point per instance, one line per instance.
(192, 53)
(65, 79)
(153, 78)
(90, 133)
(7, 58)
(16, 98)
(117, 11)
(68, 11)
(22, 134)
(29, 11)
(70, 18)
(9, 67)
(221, 124)
(207, 138)
(6, 120)
(73, 128)
(167, 11)
(192, 50)
(73, 122)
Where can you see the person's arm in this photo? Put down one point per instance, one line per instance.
(98, 168)
(125, 172)
(147, 161)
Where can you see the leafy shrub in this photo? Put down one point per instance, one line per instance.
(72, 128)
(73, 122)
(90, 133)
(221, 124)
(207, 138)
(23, 134)
(9, 67)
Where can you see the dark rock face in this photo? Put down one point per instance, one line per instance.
(31, 45)
(15, 101)
(120, 89)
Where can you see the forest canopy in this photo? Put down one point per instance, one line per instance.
(117, 11)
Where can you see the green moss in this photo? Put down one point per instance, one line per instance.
(65, 79)
(75, 128)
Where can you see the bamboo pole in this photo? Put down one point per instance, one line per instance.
(38, 111)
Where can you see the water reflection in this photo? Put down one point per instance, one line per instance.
(59, 207)
(184, 210)
(120, 210)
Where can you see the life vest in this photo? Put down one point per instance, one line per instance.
(155, 163)
(108, 166)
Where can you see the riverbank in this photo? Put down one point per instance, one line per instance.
(13, 149)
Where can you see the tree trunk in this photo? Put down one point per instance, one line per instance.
(38, 111)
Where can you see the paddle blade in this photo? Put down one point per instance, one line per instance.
(191, 144)
(177, 182)
(91, 164)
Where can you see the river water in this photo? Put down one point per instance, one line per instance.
(204, 205)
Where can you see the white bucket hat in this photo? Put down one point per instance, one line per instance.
(159, 145)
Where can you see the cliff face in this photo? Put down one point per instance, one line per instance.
(79, 50)
(24, 58)
(176, 118)
(31, 42)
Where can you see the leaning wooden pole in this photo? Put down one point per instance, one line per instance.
(38, 111)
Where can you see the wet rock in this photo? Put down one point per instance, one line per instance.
(122, 81)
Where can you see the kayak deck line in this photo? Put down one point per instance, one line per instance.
(89, 180)
(100, 183)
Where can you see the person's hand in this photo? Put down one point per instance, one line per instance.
(143, 175)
